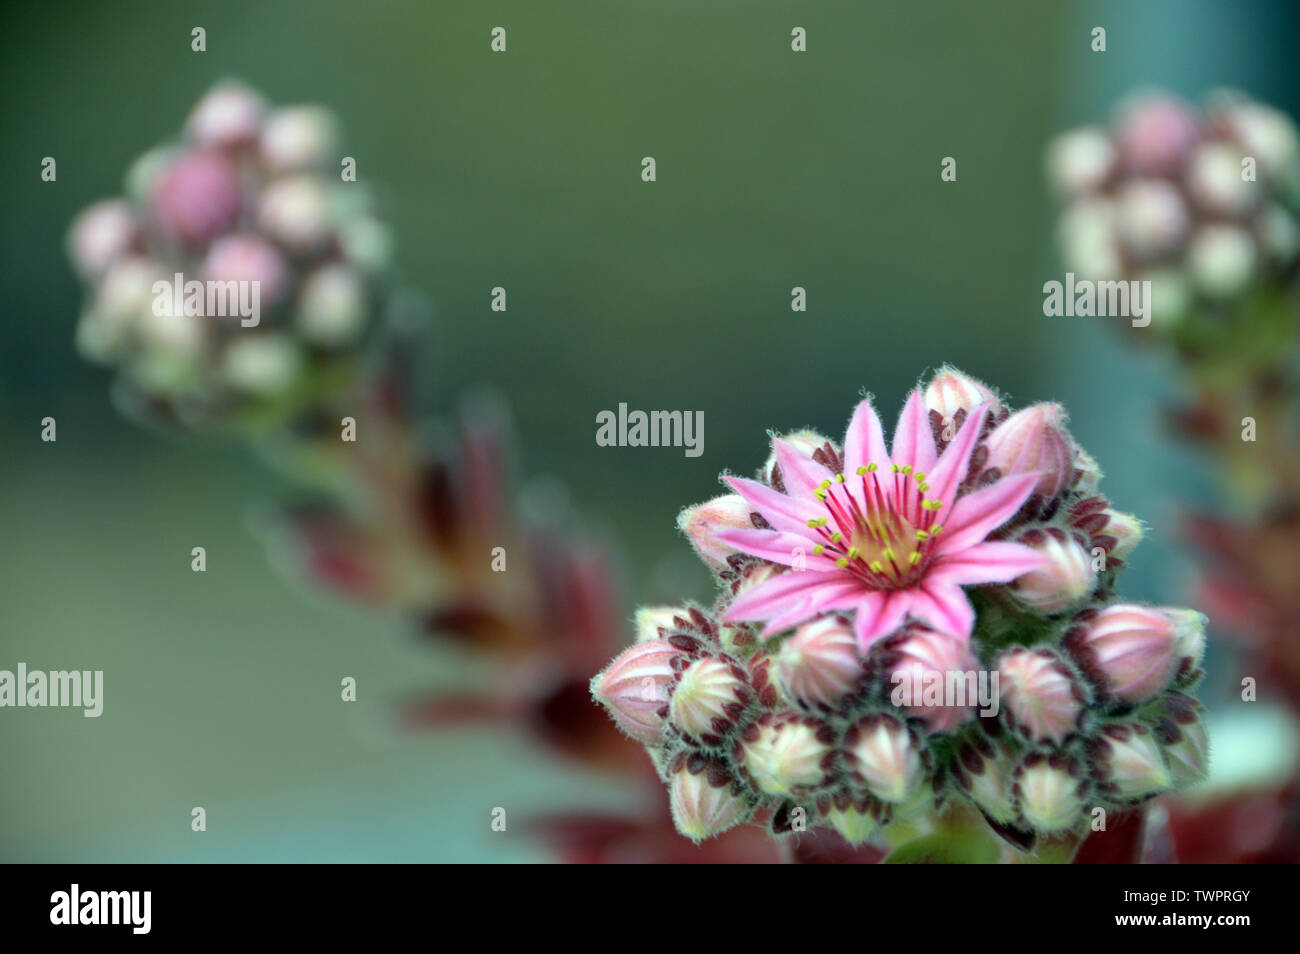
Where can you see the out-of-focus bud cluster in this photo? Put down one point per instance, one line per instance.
(241, 272)
(1062, 700)
(1203, 203)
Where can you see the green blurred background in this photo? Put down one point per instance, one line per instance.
(775, 169)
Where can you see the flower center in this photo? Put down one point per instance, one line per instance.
(884, 536)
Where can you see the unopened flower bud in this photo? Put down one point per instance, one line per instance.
(820, 663)
(295, 212)
(1125, 529)
(1087, 472)
(248, 258)
(101, 235)
(884, 757)
(854, 819)
(986, 772)
(705, 799)
(1034, 439)
(1065, 577)
(229, 116)
(298, 138)
(1189, 639)
(196, 197)
(805, 442)
(1182, 737)
(1080, 160)
(332, 307)
(1089, 239)
(658, 622)
(1156, 134)
(920, 663)
(1126, 650)
(1265, 133)
(709, 697)
(703, 522)
(634, 688)
(1040, 697)
(123, 298)
(1152, 217)
(785, 753)
(951, 391)
(1215, 181)
(1049, 792)
(1127, 761)
(1222, 260)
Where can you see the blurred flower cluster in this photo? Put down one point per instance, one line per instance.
(247, 194)
(919, 644)
(1205, 204)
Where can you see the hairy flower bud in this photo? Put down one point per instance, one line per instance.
(1127, 761)
(1040, 698)
(703, 522)
(1125, 529)
(950, 391)
(1066, 576)
(986, 772)
(657, 622)
(634, 688)
(820, 662)
(705, 799)
(709, 696)
(918, 658)
(1182, 737)
(854, 819)
(1127, 651)
(1049, 792)
(1087, 473)
(1034, 440)
(785, 753)
(883, 756)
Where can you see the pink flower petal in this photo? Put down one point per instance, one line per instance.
(976, 515)
(779, 547)
(800, 473)
(879, 613)
(781, 511)
(774, 595)
(945, 607)
(832, 596)
(864, 442)
(988, 562)
(951, 468)
(913, 440)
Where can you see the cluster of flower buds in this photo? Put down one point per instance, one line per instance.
(1204, 204)
(906, 633)
(241, 272)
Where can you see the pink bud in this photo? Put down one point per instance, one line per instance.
(709, 697)
(1066, 576)
(1039, 695)
(227, 117)
(1034, 439)
(705, 799)
(1049, 791)
(196, 197)
(806, 442)
(1128, 651)
(820, 663)
(1127, 762)
(101, 235)
(884, 757)
(785, 753)
(951, 391)
(248, 258)
(1156, 134)
(918, 659)
(634, 687)
(703, 522)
